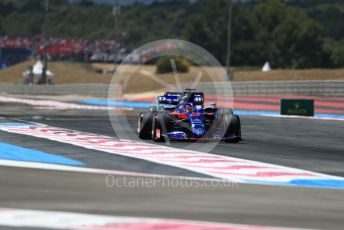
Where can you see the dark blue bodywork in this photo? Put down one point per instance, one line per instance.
(187, 107)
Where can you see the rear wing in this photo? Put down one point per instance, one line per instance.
(169, 98)
(196, 98)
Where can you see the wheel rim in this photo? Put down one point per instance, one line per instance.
(153, 129)
(139, 125)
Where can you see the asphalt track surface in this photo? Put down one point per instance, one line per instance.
(315, 145)
(245, 204)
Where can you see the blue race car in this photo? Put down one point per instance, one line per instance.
(183, 116)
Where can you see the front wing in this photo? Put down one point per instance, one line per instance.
(179, 135)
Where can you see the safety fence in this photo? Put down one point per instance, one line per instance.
(316, 88)
(94, 90)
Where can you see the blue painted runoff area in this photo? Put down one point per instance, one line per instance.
(256, 112)
(142, 105)
(130, 104)
(321, 115)
(275, 113)
(13, 152)
(16, 124)
(312, 183)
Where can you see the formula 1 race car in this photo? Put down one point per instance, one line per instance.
(183, 116)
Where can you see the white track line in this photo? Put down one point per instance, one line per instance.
(65, 168)
(219, 166)
(79, 221)
(50, 104)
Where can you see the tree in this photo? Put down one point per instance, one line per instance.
(209, 28)
(243, 45)
(331, 16)
(334, 52)
(86, 3)
(286, 36)
(337, 56)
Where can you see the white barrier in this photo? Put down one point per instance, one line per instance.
(318, 88)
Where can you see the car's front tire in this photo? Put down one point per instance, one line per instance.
(160, 125)
(144, 124)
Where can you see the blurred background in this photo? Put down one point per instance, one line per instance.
(245, 34)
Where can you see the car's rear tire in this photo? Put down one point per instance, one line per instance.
(233, 132)
(144, 124)
(225, 111)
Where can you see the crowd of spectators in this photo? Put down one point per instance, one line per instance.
(61, 48)
(73, 49)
